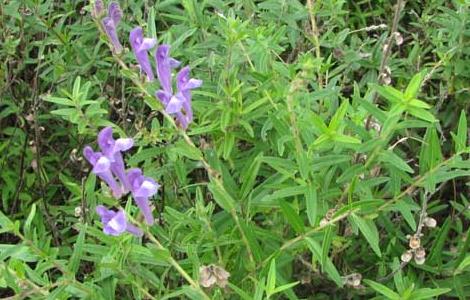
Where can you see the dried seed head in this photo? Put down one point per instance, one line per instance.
(407, 256)
(420, 261)
(420, 253)
(353, 280)
(398, 38)
(211, 275)
(386, 75)
(415, 242)
(430, 222)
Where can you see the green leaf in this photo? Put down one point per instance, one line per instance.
(29, 220)
(391, 94)
(388, 156)
(76, 88)
(462, 133)
(285, 287)
(271, 282)
(346, 139)
(329, 267)
(318, 122)
(221, 196)
(435, 254)
(421, 114)
(369, 230)
(74, 261)
(243, 295)
(382, 289)
(248, 178)
(292, 217)
(311, 203)
(338, 116)
(413, 87)
(58, 100)
(326, 244)
(427, 293)
(464, 264)
(5, 223)
(189, 151)
(419, 104)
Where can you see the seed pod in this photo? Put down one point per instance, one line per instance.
(420, 261)
(407, 256)
(398, 38)
(356, 279)
(430, 222)
(420, 253)
(415, 242)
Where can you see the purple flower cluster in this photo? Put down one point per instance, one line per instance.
(176, 104)
(108, 165)
(110, 22)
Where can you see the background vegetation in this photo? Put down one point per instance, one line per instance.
(322, 166)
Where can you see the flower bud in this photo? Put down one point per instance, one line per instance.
(398, 38)
(430, 222)
(407, 256)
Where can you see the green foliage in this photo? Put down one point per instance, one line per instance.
(302, 169)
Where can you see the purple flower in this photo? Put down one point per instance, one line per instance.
(98, 9)
(164, 66)
(113, 149)
(110, 23)
(140, 46)
(102, 168)
(142, 188)
(178, 104)
(185, 84)
(115, 223)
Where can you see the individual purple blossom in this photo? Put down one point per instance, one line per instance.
(98, 9)
(142, 188)
(113, 149)
(178, 104)
(185, 84)
(140, 45)
(110, 24)
(102, 168)
(115, 223)
(164, 66)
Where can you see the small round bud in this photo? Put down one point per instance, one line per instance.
(398, 38)
(406, 256)
(78, 211)
(415, 242)
(430, 222)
